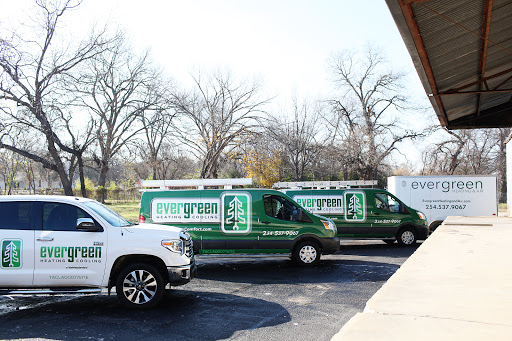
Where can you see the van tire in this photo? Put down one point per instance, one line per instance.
(406, 236)
(140, 286)
(307, 253)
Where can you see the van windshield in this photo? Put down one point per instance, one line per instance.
(106, 213)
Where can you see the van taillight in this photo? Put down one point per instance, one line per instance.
(142, 220)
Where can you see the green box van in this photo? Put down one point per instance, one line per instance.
(243, 221)
(365, 213)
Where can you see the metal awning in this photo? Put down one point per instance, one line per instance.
(462, 51)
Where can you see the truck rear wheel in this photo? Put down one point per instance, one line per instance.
(140, 285)
(406, 237)
(307, 254)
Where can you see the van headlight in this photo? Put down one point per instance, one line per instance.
(329, 225)
(422, 215)
(173, 245)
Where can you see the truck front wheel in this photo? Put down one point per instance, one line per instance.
(307, 254)
(406, 237)
(140, 285)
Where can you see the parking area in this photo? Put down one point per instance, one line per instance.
(233, 298)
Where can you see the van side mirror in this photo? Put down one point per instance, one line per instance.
(86, 225)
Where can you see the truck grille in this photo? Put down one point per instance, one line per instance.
(189, 245)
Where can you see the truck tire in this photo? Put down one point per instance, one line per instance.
(406, 236)
(140, 285)
(307, 253)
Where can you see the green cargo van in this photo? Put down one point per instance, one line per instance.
(365, 213)
(243, 221)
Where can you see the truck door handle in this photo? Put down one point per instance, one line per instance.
(45, 239)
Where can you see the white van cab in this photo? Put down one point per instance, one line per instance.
(56, 244)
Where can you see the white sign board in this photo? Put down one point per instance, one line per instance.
(442, 196)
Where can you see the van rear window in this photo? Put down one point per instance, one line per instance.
(15, 215)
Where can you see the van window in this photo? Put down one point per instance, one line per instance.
(280, 208)
(387, 203)
(15, 215)
(61, 217)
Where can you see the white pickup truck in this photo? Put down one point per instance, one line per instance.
(53, 244)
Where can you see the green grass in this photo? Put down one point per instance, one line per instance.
(129, 210)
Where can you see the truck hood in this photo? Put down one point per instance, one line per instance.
(163, 230)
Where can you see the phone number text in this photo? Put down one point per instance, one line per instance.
(445, 207)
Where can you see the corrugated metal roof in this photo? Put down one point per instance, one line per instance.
(464, 61)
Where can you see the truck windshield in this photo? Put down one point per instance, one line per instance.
(106, 213)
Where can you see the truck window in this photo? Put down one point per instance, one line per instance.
(15, 215)
(387, 203)
(280, 208)
(61, 217)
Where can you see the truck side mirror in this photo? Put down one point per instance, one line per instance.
(87, 225)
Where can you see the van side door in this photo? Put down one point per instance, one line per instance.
(279, 223)
(356, 221)
(237, 221)
(16, 244)
(66, 254)
(389, 213)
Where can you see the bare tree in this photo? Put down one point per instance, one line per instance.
(30, 70)
(366, 115)
(118, 88)
(298, 135)
(158, 149)
(216, 116)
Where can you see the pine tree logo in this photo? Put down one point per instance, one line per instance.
(236, 212)
(355, 206)
(11, 253)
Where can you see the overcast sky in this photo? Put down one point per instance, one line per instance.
(285, 43)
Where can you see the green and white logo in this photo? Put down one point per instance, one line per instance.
(321, 204)
(236, 213)
(355, 206)
(12, 253)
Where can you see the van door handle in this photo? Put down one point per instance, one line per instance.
(45, 239)
(266, 222)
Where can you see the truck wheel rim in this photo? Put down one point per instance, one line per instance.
(307, 254)
(139, 286)
(407, 237)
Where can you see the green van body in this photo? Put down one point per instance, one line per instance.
(239, 221)
(363, 213)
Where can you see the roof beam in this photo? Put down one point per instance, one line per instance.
(420, 47)
(484, 40)
(483, 79)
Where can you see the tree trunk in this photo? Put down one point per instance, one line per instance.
(103, 179)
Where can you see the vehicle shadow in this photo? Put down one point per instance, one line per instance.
(193, 315)
(282, 271)
(376, 248)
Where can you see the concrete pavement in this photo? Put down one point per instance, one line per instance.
(456, 286)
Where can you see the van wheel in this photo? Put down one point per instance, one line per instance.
(140, 286)
(307, 254)
(406, 237)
